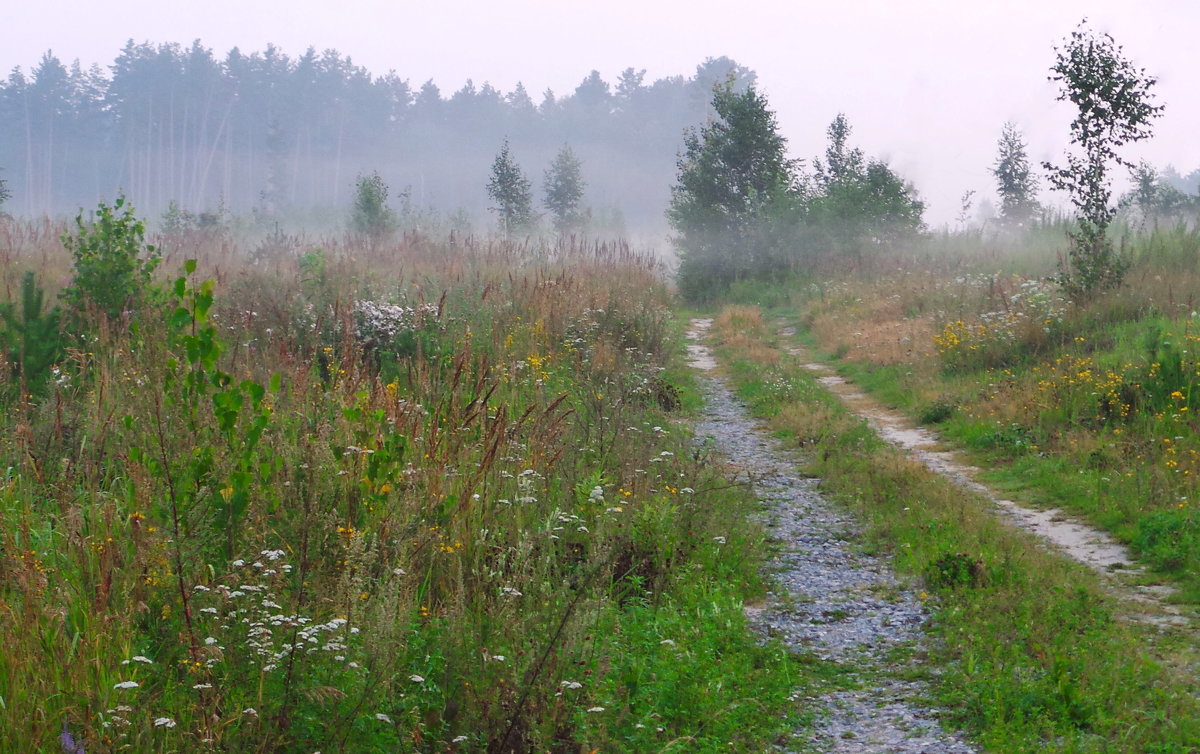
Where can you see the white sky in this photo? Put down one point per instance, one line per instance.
(927, 84)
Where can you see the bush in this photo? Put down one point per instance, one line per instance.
(954, 570)
(372, 217)
(113, 266)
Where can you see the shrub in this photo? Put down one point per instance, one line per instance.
(954, 570)
(113, 266)
(372, 216)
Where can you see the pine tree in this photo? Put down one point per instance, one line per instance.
(1015, 184)
(510, 190)
(30, 339)
(857, 202)
(564, 190)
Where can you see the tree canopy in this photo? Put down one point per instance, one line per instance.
(1015, 183)
(741, 208)
(278, 133)
(733, 175)
(1114, 106)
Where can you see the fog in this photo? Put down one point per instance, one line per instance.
(927, 86)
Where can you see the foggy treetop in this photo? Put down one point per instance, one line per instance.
(271, 132)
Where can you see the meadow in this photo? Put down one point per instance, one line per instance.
(1089, 406)
(1086, 406)
(1029, 651)
(353, 495)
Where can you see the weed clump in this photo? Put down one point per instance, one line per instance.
(955, 570)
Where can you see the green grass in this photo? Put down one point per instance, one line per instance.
(414, 498)
(1030, 652)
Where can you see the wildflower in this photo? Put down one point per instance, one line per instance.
(458, 739)
(68, 742)
(384, 718)
(571, 684)
(595, 709)
(126, 685)
(667, 643)
(416, 678)
(164, 722)
(719, 540)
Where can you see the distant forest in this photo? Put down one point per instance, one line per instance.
(275, 134)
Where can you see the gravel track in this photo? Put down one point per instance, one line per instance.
(828, 597)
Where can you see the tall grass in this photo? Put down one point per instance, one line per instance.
(427, 497)
(1027, 651)
(1083, 405)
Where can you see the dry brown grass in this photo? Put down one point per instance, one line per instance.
(740, 319)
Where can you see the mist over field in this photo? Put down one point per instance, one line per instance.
(927, 84)
(540, 377)
(281, 137)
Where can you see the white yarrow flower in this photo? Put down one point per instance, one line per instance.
(164, 722)
(416, 678)
(126, 685)
(383, 718)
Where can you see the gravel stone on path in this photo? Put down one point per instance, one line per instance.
(830, 598)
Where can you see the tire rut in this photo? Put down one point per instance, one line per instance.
(1146, 603)
(828, 597)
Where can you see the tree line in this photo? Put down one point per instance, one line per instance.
(269, 133)
(743, 210)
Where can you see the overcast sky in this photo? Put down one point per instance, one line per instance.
(926, 85)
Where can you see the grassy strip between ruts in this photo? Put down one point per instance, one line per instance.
(1029, 655)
